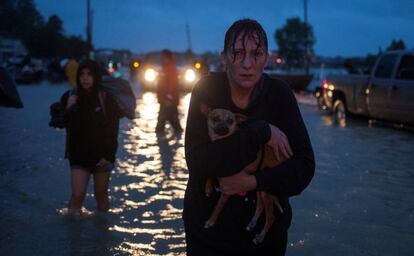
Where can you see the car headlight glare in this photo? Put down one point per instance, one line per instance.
(190, 75)
(150, 75)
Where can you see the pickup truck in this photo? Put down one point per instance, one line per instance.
(385, 94)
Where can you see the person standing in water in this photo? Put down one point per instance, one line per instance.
(91, 136)
(168, 93)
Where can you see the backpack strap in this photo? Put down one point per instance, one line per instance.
(70, 93)
(102, 100)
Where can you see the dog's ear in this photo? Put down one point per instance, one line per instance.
(240, 118)
(204, 108)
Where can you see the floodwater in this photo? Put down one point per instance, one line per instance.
(359, 203)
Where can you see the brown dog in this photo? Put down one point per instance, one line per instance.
(222, 123)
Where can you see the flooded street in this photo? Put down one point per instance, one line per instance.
(360, 201)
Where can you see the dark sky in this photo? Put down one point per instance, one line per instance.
(342, 27)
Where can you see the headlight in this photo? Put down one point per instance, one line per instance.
(190, 75)
(150, 75)
(329, 86)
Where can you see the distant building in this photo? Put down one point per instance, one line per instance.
(10, 48)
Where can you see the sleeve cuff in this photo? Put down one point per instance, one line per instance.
(259, 181)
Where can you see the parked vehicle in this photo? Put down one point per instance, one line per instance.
(386, 94)
(25, 70)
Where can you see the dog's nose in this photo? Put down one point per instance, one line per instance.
(221, 129)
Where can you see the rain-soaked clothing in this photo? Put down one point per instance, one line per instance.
(272, 101)
(92, 132)
(168, 96)
(92, 129)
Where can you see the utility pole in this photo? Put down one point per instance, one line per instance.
(189, 50)
(307, 53)
(89, 26)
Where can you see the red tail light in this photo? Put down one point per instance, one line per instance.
(324, 86)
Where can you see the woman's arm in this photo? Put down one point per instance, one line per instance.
(294, 175)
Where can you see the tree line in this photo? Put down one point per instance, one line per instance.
(42, 38)
(296, 39)
(46, 38)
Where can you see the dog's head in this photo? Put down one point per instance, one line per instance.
(221, 122)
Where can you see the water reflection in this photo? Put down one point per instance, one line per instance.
(88, 235)
(149, 183)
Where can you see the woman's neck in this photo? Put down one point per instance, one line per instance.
(240, 97)
(88, 91)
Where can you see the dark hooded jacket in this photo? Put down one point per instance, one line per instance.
(92, 132)
(272, 101)
(167, 87)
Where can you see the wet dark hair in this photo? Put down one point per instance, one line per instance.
(248, 28)
(169, 58)
(93, 66)
(167, 53)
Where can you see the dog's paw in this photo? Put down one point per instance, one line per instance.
(258, 239)
(209, 224)
(251, 226)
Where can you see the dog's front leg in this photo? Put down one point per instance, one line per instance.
(209, 187)
(270, 218)
(257, 213)
(277, 203)
(217, 210)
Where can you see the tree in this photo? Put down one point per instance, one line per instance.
(19, 18)
(396, 45)
(47, 41)
(295, 41)
(74, 47)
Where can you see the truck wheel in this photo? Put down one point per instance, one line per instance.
(321, 104)
(339, 112)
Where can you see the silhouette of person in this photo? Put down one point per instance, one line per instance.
(168, 93)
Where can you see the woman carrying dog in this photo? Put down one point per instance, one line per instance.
(273, 119)
(91, 136)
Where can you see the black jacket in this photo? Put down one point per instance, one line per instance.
(92, 133)
(272, 101)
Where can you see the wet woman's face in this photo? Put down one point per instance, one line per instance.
(246, 63)
(86, 79)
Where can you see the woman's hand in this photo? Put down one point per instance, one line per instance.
(279, 143)
(71, 101)
(238, 183)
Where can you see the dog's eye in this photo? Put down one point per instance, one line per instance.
(230, 121)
